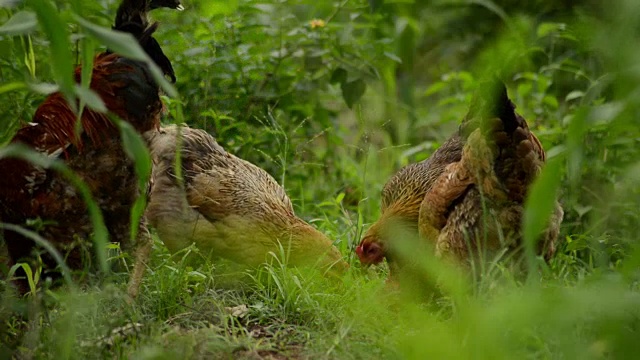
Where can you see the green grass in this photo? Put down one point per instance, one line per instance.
(207, 312)
(571, 70)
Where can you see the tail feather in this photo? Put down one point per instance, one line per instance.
(151, 46)
(489, 102)
(516, 152)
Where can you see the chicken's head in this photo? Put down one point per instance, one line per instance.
(171, 4)
(370, 251)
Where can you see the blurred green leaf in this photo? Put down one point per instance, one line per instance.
(338, 75)
(87, 50)
(12, 87)
(136, 149)
(546, 29)
(539, 205)
(44, 88)
(575, 140)
(576, 94)
(22, 22)
(493, 7)
(374, 5)
(393, 57)
(353, 91)
(90, 98)
(126, 45)
(215, 8)
(61, 60)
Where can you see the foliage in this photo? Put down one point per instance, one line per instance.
(332, 98)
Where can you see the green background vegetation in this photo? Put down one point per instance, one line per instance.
(331, 112)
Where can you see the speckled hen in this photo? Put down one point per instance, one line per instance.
(227, 206)
(468, 196)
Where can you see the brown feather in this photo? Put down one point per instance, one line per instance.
(227, 206)
(489, 163)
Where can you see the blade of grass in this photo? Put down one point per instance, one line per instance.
(136, 149)
(126, 45)
(61, 59)
(42, 242)
(539, 205)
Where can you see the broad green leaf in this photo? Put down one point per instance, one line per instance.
(61, 60)
(100, 233)
(22, 22)
(338, 75)
(126, 45)
(353, 91)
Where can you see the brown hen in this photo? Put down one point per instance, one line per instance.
(32, 195)
(468, 196)
(227, 206)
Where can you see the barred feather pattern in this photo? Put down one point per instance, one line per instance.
(402, 196)
(489, 164)
(225, 205)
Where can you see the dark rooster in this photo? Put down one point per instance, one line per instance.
(488, 164)
(44, 200)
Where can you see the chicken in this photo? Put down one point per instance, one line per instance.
(227, 206)
(401, 199)
(489, 163)
(500, 160)
(45, 201)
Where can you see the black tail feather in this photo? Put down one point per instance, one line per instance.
(490, 101)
